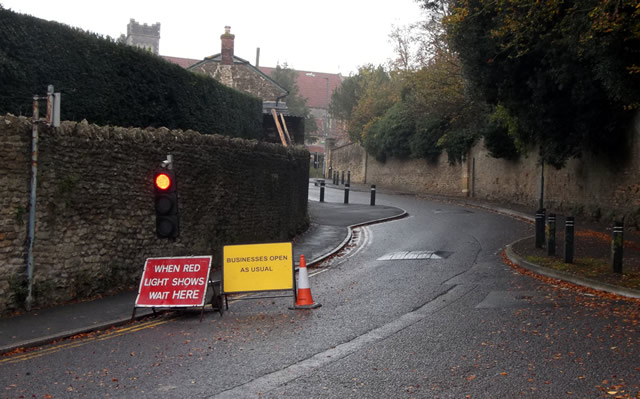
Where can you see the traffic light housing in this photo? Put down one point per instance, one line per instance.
(166, 204)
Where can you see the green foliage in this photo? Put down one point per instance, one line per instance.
(389, 135)
(376, 92)
(109, 83)
(287, 78)
(499, 143)
(564, 70)
(500, 135)
(344, 98)
(418, 109)
(424, 143)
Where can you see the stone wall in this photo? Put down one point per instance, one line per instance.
(349, 157)
(588, 186)
(95, 222)
(418, 175)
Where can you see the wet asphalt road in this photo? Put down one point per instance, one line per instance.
(459, 324)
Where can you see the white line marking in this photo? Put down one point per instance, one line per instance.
(269, 382)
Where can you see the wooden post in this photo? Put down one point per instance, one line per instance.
(286, 131)
(275, 119)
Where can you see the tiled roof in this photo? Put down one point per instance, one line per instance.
(183, 62)
(313, 86)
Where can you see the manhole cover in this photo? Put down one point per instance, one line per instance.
(415, 255)
(509, 299)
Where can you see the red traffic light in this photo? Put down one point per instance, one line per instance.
(163, 181)
(166, 204)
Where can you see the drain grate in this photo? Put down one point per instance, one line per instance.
(452, 211)
(415, 255)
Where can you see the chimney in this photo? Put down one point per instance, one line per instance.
(227, 46)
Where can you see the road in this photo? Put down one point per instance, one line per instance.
(458, 323)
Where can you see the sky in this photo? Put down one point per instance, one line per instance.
(329, 36)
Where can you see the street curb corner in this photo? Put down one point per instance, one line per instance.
(559, 275)
(344, 243)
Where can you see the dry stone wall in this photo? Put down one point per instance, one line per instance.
(95, 222)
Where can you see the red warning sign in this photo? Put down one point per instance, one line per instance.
(168, 282)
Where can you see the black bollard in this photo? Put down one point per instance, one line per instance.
(346, 194)
(551, 235)
(540, 228)
(322, 191)
(373, 195)
(617, 243)
(569, 227)
(343, 177)
(349, 177)
(331, 171)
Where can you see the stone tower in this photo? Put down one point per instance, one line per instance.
(143, 36)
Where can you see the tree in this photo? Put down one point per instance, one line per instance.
(419, 107)
(345, 98)
(563, 70)
(287, 77)
(362, 98)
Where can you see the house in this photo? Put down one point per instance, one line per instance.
(317, 88)
(239, 74)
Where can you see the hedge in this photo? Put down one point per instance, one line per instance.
(110, 83)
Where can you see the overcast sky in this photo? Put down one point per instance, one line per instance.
(322, 36)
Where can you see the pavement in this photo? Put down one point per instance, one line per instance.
(329, 232)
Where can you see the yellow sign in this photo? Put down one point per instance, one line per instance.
(257, 267)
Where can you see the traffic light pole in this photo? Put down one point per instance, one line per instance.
(53, 119)
(168, 163)
(32, 201)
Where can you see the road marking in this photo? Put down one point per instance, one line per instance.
(410, 255)
(363, 241)
(269, 382)
(315, 273)
(82, 341)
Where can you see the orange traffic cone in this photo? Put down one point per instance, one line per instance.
(304, 299)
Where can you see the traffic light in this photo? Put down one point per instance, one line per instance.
(166, 204)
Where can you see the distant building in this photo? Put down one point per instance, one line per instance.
(317, 88)
(239, 74)
(143, 36)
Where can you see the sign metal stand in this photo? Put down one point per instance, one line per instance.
(180, 282)
(254, 268)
